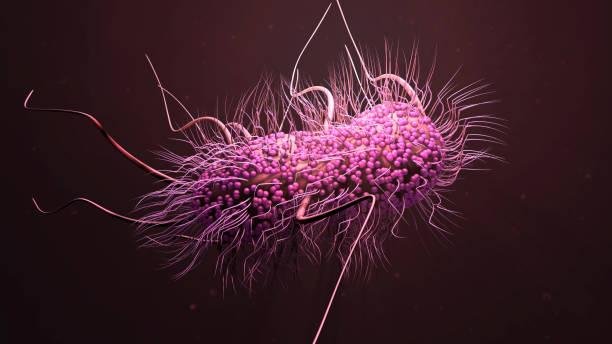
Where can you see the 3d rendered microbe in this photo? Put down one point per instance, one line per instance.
(349, 159)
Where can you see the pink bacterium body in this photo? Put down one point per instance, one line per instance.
(359, 155)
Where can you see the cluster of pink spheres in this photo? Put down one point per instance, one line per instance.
(389, 151)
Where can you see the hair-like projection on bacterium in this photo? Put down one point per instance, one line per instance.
(341, 164)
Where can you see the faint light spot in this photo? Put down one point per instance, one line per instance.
(212, 292)
(193, 307)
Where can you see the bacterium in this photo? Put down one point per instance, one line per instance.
(347, 160)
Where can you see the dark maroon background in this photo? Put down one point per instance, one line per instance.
(529, 264)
